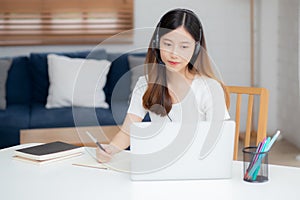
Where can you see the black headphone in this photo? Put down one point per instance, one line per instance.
(156, 39)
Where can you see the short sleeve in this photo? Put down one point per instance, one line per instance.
(211, 100)
(136, 102)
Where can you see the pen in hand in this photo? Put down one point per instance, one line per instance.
(95, 141)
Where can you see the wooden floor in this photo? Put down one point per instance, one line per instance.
(282, 153)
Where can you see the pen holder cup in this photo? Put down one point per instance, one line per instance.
(255, 165)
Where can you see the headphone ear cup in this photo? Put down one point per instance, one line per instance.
(155, 47)
(156, 40)
(196, 52)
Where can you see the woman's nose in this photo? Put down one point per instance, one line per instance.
(173, 52)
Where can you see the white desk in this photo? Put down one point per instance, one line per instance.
(62, 180)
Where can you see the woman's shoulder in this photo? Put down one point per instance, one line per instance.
(204, 81)
(142, 80)
(141, 83)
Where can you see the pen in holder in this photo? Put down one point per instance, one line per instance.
(255, 164)
(256, 160)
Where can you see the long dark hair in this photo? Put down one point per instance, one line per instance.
(157, 98)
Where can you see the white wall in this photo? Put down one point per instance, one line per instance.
(288, 70)
(278, 63)
(266, 57)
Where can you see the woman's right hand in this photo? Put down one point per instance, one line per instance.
(106, 156)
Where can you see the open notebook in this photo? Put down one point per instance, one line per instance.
(120, 161)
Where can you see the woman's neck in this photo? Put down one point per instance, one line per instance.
(179, 84)
(177, 78)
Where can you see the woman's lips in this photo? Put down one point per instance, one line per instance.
(173, 63)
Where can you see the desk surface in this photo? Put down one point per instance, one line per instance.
(62, 180)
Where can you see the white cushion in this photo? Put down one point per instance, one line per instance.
(76, 82)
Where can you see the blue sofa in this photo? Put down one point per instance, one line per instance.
(27, 90)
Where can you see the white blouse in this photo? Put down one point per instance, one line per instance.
(205, 101)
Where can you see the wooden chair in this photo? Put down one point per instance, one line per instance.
(261, 131)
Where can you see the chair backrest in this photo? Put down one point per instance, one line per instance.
(262, 114)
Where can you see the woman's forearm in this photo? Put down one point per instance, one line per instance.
(122, 138)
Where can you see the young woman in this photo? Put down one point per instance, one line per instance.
(178, 68)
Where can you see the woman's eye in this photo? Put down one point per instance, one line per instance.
(184, 47)
(167, 44)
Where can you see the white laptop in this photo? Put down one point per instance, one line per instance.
(182, 151)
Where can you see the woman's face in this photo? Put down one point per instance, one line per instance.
(176, 49)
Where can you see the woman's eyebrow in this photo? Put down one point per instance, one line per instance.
(166, 39)
(185, 42)
(181, 42)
